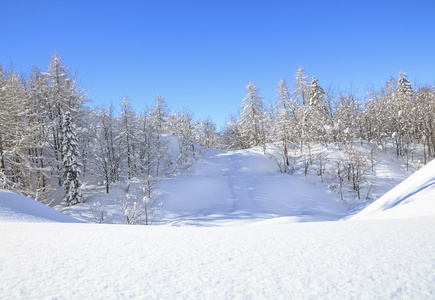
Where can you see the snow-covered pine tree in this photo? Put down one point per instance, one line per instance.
(63, 94)
(71, 164)
(252, 118)
(406, 117)
(317, 113)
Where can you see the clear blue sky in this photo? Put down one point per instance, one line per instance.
(200, 54)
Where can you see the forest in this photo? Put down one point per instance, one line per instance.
(50, 138)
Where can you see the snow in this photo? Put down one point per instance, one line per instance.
(242, 186)
(17, 208)
(414, 197)
(251, 235)
(320, 260)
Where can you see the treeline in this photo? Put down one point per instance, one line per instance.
(306, 115)
(50, 138)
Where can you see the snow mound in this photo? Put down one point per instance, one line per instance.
(414, 197)
(17, 208)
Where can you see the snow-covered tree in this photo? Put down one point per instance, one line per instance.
(346, 118)
(425, 109)
(283, 122)
(71, 165)
(159, 115)
(184, 127)
(317, 112)
(62, 94)
(105, 152)
(231, 134)
(156, 124)
(127, 136)
(301, 87)
(252, 118)
(207, 133)
(12, 131)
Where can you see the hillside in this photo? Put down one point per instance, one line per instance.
(267, 255)
(236, 187)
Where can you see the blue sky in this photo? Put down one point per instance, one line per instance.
(200, 54)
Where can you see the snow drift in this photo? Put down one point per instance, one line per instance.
(17, 208)
(414, 197)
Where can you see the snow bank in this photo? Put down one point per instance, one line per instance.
(17, 208)
(376, 259)
(414, 197)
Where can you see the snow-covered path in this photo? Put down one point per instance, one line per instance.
(242, 186)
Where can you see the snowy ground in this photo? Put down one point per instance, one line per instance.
(376, 259)
(254, 249)
(242, 186)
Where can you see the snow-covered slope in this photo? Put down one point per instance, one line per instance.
(17, 208)
(242, 186)
(414, 197)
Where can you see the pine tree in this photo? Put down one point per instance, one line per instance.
(252, 118)
(71, 165)
(317, 112)
(62, 94)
